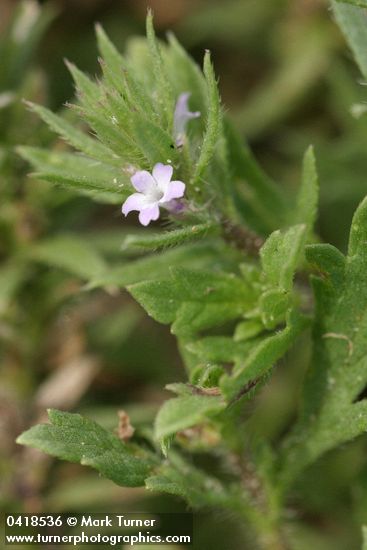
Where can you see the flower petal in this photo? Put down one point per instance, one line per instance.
(175, 190)
(143, 181)
(148, 214)
(174, 206)
(181, 117)
(162, 173)
(136, 201)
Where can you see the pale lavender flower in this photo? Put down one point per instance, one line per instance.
(155, 190)
(181, 117)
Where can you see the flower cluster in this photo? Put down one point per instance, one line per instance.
(156, 189)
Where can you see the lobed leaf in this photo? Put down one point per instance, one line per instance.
(194, 300)
(76, 439)
(331, 412)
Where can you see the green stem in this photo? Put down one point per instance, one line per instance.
(262, 508)
(267, 531)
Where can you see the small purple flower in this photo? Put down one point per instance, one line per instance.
(155, 190)
(181, 117)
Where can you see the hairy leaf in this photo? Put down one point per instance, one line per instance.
(78, 139)
(169, 238)
(81, 174)
(77, 439)
(156, 266)
(258, 360)
(185, 411)
(306, 208)
(194, 301)
(164, 90)
(212, 123)
(280, 256)
(338, 373)
(184, 480)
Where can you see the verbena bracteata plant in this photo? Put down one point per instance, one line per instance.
(223, 276)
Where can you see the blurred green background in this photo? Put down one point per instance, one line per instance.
(287, 79)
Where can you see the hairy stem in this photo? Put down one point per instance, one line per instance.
(242, 238)
(262, 509)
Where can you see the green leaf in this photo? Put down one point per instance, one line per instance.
(353, 22)
(331, 413)
(115, 135)
(76, 439)
(328, 260)
(247, 330)
(154, 142)
(156, 266)
(164, 90)
(194, 301)
(188, 77)
(273, 306)
(89, 92)
(169, 238)
(78, 139)
(252, 359)
(111, 56)
(207, 376)
(107, 113)
(281, 254)
(306, 208)
(256, 362)
(261, 203)
(219, 349)
(182, 479)
(82, 174)
(71, 253)
(179, 388)
(185, 411)
(212, 123)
